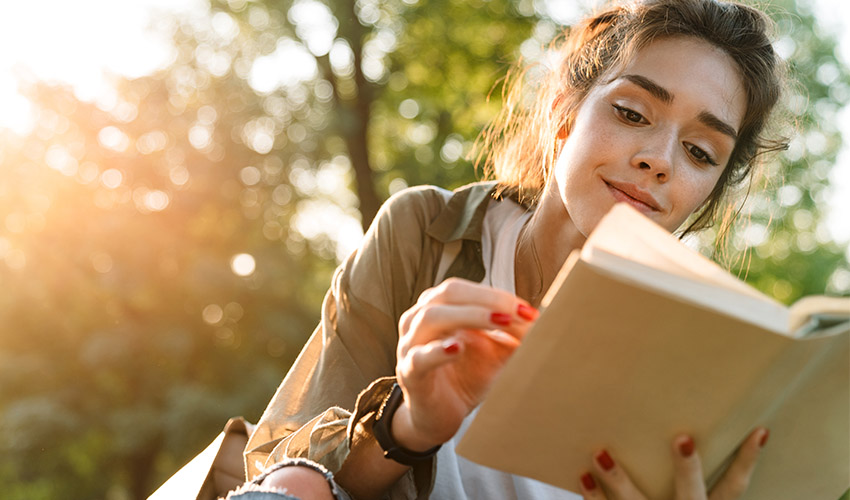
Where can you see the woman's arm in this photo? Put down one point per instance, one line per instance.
(355, 342)
(453, 343)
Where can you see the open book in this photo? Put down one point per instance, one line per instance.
(642, 339)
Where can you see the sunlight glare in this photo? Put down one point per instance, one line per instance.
(289, 64)
(79, 43)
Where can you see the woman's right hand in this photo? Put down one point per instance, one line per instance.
(453, 342)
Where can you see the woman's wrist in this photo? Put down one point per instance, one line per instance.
(404, 433)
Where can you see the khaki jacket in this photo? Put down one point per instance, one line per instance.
(347, 366)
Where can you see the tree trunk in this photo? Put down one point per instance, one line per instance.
(356, 135)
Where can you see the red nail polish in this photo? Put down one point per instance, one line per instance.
(686, 448)
(763, 440)
(501, 319)
(605, 460)
(451, 347)
(525, 312)
(588, 482)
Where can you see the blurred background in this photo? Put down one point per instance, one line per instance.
(178, 180)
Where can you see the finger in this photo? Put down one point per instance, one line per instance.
(422, 359)
(455, 291)
(735, 481)
(687, 480)
(614, 478)
(499, 337)
(460, 291)
(434, 321)
(407, 317)
(589, 488)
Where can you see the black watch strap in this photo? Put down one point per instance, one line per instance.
(381, 430)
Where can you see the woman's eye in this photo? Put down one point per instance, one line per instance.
(701, 156)
(630, 114)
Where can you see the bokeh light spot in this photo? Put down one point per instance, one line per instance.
(152, 142)
(113, 138)
(408, 108)
(212, 314)
(243, 264)
(250, 175)
(111, 178)
(156, 200)
(179, 175)
(234, 311)
(282, 194)
(200, 137)
(207, 115)
(58, 158)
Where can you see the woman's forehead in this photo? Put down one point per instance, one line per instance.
(686, 69)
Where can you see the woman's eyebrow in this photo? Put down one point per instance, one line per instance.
(710, 120)
(706, 118)
(653, 88)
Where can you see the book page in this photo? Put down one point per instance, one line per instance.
(754, 310)
(806, 307)
(651, 245)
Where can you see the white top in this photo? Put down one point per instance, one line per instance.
(457, 478)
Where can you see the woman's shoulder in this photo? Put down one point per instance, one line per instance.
(427, 202)
(430, 193)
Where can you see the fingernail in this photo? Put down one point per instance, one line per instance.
(502, 337)
(763, 440)
(605, 460)
(451, 347)
(588, 482)
(501, 319)
(686, 448)
(525, 312)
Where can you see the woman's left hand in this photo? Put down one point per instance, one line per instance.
(689, 482)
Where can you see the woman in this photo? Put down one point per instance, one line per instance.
(661, 105)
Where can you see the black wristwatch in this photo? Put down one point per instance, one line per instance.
(381, 430)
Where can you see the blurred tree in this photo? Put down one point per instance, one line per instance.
(782, 246)
(166, 248)
(406, 83)
(128, 300)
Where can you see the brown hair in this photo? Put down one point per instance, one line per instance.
(519, 147)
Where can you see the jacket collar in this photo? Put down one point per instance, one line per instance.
(463, 215)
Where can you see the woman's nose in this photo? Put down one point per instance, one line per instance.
(655, 157)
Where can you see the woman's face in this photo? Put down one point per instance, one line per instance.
(656, 135)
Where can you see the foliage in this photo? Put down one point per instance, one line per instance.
(131, 331)
(783, 246)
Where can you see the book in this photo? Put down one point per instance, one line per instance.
(642, 339)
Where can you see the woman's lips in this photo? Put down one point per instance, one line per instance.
(629, 194)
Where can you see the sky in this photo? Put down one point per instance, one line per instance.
(87, 43)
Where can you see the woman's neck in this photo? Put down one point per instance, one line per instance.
(543, 246)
